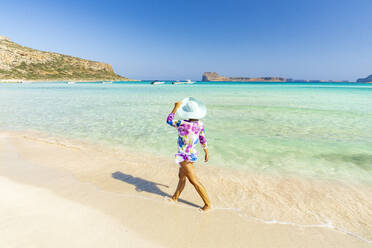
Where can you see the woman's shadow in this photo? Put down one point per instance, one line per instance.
(145, 185)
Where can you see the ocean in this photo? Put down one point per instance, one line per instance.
(309, 129)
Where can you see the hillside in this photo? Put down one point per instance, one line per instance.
(23, 63)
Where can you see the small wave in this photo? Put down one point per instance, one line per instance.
(328, 225)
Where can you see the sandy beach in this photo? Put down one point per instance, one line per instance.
(67, 195)
(122, 121)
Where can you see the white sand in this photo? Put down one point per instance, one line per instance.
(35, 217)
(67, 196)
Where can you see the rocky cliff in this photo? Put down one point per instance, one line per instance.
(23, 63)
(214, 76)
(365, 80)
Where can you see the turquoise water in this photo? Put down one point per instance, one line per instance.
(315, 130)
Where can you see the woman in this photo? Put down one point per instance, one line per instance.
(190, 131)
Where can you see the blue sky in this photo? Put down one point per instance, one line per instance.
(143, 39)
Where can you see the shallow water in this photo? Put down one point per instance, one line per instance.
(312, 130)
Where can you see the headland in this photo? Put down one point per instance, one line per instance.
(19, 63)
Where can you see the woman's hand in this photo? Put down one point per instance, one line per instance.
(206, 157)
(176, 106)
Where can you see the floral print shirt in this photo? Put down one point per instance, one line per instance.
(189, 134)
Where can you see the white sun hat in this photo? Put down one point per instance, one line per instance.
(191, 109)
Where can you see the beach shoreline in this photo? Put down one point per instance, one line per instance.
(134, 191)
(62, 80)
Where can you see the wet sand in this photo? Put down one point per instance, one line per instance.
(64, 194)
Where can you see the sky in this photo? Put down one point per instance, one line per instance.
(161, 39)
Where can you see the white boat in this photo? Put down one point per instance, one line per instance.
(183, 82)
(189, 81)
(106, 82)
(157, 82)
(71, 82)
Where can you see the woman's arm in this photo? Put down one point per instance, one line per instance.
(170, 121)
(203, 142)
(206, 155)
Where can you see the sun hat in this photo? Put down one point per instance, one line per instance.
(191, 109)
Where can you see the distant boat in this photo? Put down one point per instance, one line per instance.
(183, 82)
(12, 81)
(71, 82)
(189, 82)
(107, 82)
(157, 82)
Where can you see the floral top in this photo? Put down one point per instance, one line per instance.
(189, 134)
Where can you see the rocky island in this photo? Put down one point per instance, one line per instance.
(20, 63)
(365, 80)
(214, 76)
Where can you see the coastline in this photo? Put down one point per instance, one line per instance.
(62, 80)
(131, 189)
(16, 81)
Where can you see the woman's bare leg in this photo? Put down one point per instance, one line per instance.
(190, 174)
(181, 183)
